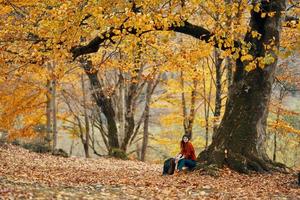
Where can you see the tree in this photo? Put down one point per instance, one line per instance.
(239, 140)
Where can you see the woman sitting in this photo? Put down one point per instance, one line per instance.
(186, 158)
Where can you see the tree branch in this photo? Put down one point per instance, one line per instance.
(188, 29)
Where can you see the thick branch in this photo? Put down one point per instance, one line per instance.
(94, 45)
(194, 31)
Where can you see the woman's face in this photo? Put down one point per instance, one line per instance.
(185, 139)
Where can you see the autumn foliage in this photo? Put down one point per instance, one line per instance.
(141, 66)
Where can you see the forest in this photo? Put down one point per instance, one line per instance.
(95, 95)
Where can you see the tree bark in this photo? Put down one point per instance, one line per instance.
(131, 98)
(239, 140)
(129, 116)
(86, 120)
(229, 67)
(183, 104)
(54, 118)
(48, 114)
(218, 100)
(146, 121)
(206, 104)
(191, 118)
(121, 104)
(105, 104)
(188, 119)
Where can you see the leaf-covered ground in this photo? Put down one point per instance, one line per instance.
(27, 175)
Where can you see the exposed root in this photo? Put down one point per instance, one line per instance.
(279, 167)
(238, 163)
(262, 163)
(241, 163)
(252, 165)
(212, 170)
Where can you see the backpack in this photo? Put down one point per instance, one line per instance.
(169, 166)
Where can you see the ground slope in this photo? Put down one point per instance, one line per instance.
(26, 175)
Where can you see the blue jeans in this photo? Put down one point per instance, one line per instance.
(190, 164)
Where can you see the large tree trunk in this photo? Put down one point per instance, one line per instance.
(239, 140)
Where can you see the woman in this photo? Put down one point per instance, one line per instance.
(186, 158)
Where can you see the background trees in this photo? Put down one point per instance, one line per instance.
(105, 71)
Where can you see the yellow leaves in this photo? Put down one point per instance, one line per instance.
(198, 142)
(172, 119)
(263, 15)
(257, 62)
(255, 34)
(250, 66)
(282, 127)
(169, 140)
(246, 57)
(268, 59)
(5, 9)
(257, 7)
(271, 14)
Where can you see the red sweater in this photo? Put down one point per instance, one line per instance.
(188, 151)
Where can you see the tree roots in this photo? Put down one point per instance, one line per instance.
(241, 163)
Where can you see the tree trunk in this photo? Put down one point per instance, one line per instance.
(48, 114)
(86, 119)
(183, 104)
(105, 105)
(121, 109)
(192, 108)
(131, 97)
(275, 146)
(129, 116)
(206, 105)
(146, 121)
(54, 119)
(188, 119)
(229, 67)
(71, 148)
(240, 138)
(218, 100)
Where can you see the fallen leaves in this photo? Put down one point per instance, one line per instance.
(30, 175)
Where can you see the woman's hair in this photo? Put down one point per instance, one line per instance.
(182, 143)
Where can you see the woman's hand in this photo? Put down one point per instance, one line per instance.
(176, 160)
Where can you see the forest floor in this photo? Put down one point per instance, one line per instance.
(27, 175)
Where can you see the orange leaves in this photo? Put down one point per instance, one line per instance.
(45, 176)
(283, 127)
